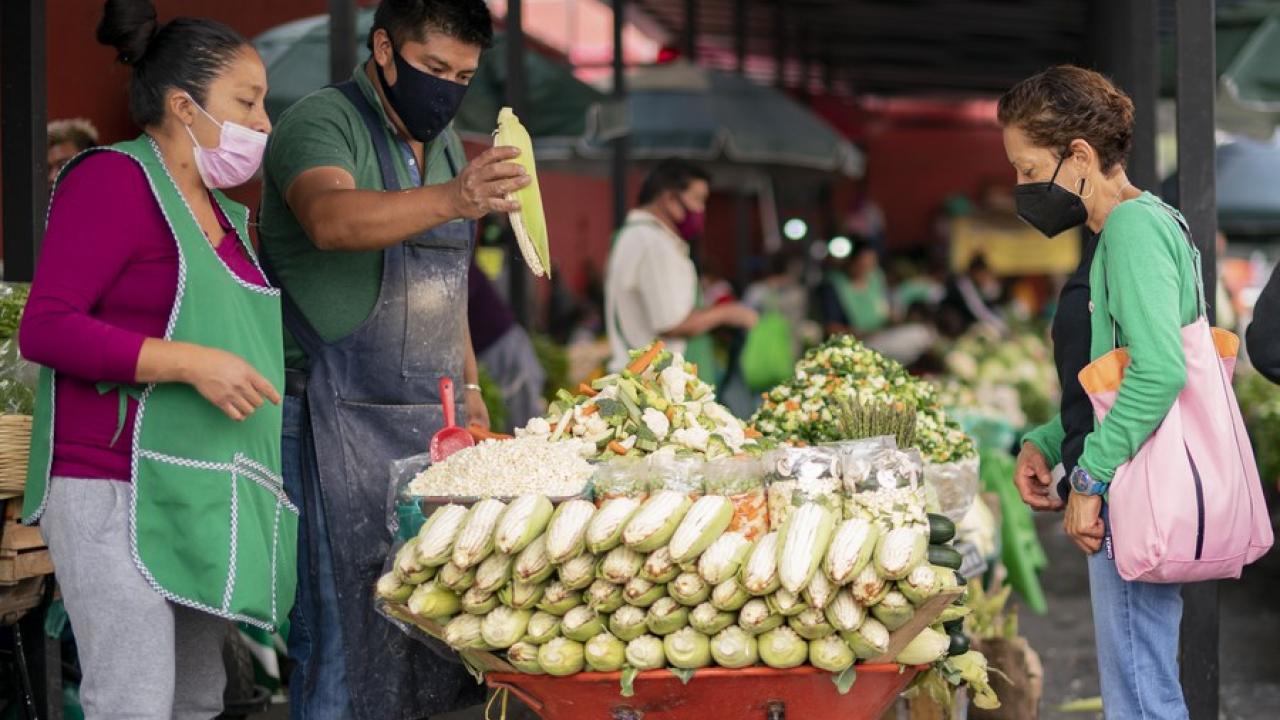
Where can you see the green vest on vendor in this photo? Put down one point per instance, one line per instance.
(211, 527)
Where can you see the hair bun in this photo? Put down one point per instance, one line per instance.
(128, 26)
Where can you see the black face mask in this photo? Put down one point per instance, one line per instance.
(425, 103)
(1049, 207)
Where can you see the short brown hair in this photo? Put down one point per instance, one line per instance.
(1066, 103)
(77, 131)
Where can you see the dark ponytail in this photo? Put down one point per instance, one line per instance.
(185, 53)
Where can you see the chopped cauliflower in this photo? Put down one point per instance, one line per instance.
(657, 423)
(535, 426)
(694, 438)
(674, 380)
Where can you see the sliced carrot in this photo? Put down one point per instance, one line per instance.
(752, 433)
(616, 447)
(646, 359)
(589, 410)
(585, 389)
(671, 413)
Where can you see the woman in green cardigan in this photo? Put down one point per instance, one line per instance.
(1068, 133)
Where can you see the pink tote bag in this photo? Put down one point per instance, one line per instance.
(1189, 506)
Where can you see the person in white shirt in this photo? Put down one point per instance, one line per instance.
(651, 285)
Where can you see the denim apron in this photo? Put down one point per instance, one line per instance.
(372, 398)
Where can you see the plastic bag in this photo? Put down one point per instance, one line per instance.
(800, 475)
(682, 473)
(404, 509)
(857, 460)
(621, 477)
(18, 379)
(768, 355)
(955, 484)
(741, 479)
(13, 300)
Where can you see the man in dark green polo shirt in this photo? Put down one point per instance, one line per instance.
(367, 225)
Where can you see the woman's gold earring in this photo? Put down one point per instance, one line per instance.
(1082, 195)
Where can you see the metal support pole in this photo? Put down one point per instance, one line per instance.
(517, 99)
(22, 134)
(742, 236)
(620, 200)
(342, 39)
(691, 30)
(740, 34)
(1196, 194)
(1142, 82)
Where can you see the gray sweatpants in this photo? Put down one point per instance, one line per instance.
(143, 657)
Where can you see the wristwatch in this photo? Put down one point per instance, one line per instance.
(1083, 483)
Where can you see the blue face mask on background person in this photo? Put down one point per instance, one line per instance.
(425, 103)
(1049, 207)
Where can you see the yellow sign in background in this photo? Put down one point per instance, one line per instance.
(1011, 247)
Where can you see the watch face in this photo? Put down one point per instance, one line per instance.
(1080, 481)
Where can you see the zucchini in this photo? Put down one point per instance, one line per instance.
(959, 644)
(941, 529)
(946, 556)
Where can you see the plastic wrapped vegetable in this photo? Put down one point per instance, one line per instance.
(433, 601)
(687, 649)
(659, 567)
(844, 613)
(804, 544)
(504, 627)
(455, 578)
(893, 611)
(494, 572)
(707, 620)
(605, 653)
(475, 539)
(734, 648)
(435, 539)
(559, 598)
(741, 479)
(463, 632)
(926, 648)
(666, 616)
(689, 589)
(706, 520)
(561, 657)
(641, 593)
(810, 624)
(521, 595)
(628, 623)
(621, 564)
(729, 596)
(819, 592)
(524, 657)
(524, 519)
(830, 653)
(900, 550)
(656, 521)
(622, 477)
(581, 624)
(567, 531)
(578, 573)
(541, 628)
(478, 602)
(869, 588)
(646, 653)
(757, 617)
(604, 532)
(850, 550)
(723, 558)
(782, 648)
(390, 588)
(922, 584)
(676, 473)
(532, 564)
(870, 640)
(603, 596)
(759, 574)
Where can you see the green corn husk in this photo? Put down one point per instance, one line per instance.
(456, 578)
(620, 565)
(781, 648)
(687, 649)
(894, 610)
(524, 657)
(603, 596)
(559, 599)
(666, 616)
(642, 593)
(734, 648)
(756, 617)
(689, 589)
(951, 613)
(831, 653)
(723, 558)
(811, 624)
(542, 627)
(656, 521)
(478, 602)
(567, 532)
(406, 566)
(899, 551)
(659, 567)
(433, 601)
(707, 620)
(706, 520)
(494, 572)
(628, 623)
(851, 548)
(523, 520)
(504, 627)
(578, 573)
(729, 596)
(391, 589)
(869, 588)
(759, 574)
(581, 624)
(561, 657)
(520, 595)
(926, 648)
(533, 565)
(786, 604)
(605, 653)
(844, 613)
(920, 585)
(463, 633)
(475, 539)
(819, 593)
(870, 640)
(646, 653)
(804, 544)
(604, 532)
(436, 538)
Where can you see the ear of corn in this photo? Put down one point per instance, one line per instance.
(494, 572)
(603, 596)
(687, 649)
(786, 603)
(433, 601)
(620, 565)
(542, 627)
(455, 578)
(756, 617)
(804, 543)
(524, 657)
(893, 611)
(604, 532)
(532, 564)
(869, 588)
(810, 624)
(581, 624)
(605, 653)
(721, 560)
(926, 648)
(707, 518)
(851, 547)
(436, 538)
(819, 592)
(900, 550)
(922, 584)
(628, 623)
(524, 519)
(689, 589)
(475, 539)
(781, 648)
(656, 521)
(870, 640)
(759, 574)
(641, 593)
(504, 627)
(567, 531)
(578, 573)
(559, 599)
(529, 224)
(646, 653)
(561, 657)
(478, 602)
(734, 648)
(391, 589)
(521, 595)
(830, 653)
(844, 613)
(729, 596)
(666, 616)
(659, 567)
(707, 620)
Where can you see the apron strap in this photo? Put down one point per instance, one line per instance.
(377, 132)
(294, 321)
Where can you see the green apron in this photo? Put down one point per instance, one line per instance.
(865, 308)
(210, 526)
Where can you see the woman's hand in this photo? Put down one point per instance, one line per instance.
(1083, 522)
(228, 382)
(477, 413)
(1034, 480)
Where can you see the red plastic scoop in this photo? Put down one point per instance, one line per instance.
(451, 438)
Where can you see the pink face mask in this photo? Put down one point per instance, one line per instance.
(235, 160)
(691, 227)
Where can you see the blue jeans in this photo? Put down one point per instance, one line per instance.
(318, 687)
(1135, 626)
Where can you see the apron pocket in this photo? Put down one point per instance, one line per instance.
(266, 542)
(435, 281)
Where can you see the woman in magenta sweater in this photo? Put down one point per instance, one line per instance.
(155, 453)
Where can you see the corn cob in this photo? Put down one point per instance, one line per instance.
(759, 574)
(659, 567)
(463, 633)
(721, 560)
(494, 572)
(786, 603)
(567, 531)
(504, 627)
(520, 595)
(893, 611)
(844, 613)
(899, 551)
(819, 592)
(525, 519)
(478, 602)
(641, 593)
(475, 539)
(604, 532)
(804, 544)
(850, 551)
(532, 564)
(706, 520)
(869, 588)
(455, 578)
(528, 223)
(621, 564)
(689, 589)
(435, 539)
(656, 521)
(729, 596)
(391, 589)
(811, 624)
(558, 598)
(431, 600)
(579, 572)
